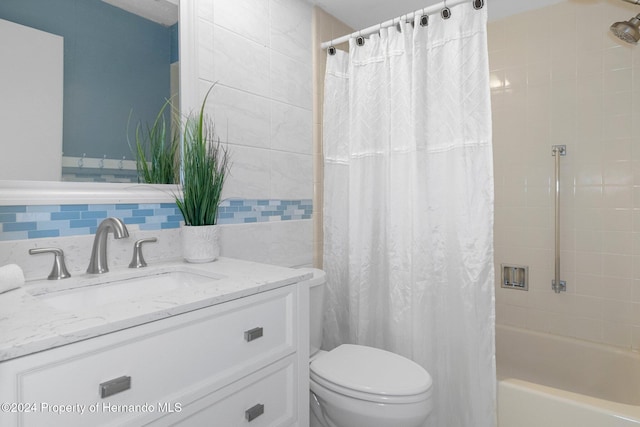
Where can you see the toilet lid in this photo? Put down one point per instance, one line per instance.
(371, 370)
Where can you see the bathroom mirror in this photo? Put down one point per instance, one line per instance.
(119, 68)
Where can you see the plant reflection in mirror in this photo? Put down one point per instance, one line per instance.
(161, 144)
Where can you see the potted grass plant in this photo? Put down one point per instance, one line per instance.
(205, 166)
(156, 150)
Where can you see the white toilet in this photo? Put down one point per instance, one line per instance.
(359, 386)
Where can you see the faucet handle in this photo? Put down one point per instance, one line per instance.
(59, 269)
(137, 261)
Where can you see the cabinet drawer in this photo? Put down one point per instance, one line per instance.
(175, 360)
(264, 399)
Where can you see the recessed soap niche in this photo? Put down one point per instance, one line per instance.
(515, 277)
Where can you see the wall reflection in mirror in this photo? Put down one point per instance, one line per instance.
(80, 76)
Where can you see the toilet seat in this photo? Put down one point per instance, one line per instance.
(371, 374)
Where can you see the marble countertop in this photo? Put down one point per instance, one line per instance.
(28, 324)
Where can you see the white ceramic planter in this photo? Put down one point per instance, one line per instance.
(200, 243)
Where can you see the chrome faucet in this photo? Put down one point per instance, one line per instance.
(98, 261)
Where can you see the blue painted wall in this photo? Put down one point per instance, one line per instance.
(114, 62)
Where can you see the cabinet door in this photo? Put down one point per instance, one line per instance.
(31, 86)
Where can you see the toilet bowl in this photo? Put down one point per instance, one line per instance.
(355, 385)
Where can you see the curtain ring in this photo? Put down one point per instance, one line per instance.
(424, 19)
(360, 39)
(332, 50)
(445, 12)
(478, 4)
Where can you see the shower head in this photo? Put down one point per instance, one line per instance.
(629, 31)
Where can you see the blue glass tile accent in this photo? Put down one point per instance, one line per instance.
(75, 232)
(168, 225)
(94, 214)
(126, 206)
(53, 225)
(120, 214)
(164, 211)
(102, 207)
(147, 206)
(67, 208)
(33, 216)
(77, 223)
(19, 226)
(37, 234)
(7, 217)
(43, 208)
(12, 209)
(155, 219)
(14, 235)
(151, 226)
(37, 221)
(142, 212)
(134, 220)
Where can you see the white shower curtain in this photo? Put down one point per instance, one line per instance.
(408, 206)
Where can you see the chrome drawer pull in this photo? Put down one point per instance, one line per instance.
(252, 334)
(254, 412)
(114, 386)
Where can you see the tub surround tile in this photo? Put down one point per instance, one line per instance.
(567, 85)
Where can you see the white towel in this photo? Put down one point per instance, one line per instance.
(11, 277)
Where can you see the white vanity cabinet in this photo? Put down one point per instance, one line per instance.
(238, 363)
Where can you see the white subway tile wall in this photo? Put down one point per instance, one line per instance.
(559, 77)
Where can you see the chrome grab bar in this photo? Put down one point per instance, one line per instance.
(556, 284)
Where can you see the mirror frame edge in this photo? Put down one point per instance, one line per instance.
(15, 192)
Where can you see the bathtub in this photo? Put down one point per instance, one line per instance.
(550, 381)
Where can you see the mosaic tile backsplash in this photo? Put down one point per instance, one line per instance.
(34, 222)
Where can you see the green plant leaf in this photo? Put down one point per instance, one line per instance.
(205, 166)
(157, 148)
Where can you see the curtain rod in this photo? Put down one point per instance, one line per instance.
(478, 4)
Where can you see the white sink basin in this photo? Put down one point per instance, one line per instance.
(115, 289)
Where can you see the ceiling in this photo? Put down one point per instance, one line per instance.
(360, 14)
(164, 12)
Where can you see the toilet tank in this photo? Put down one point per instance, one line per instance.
(316, 308)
